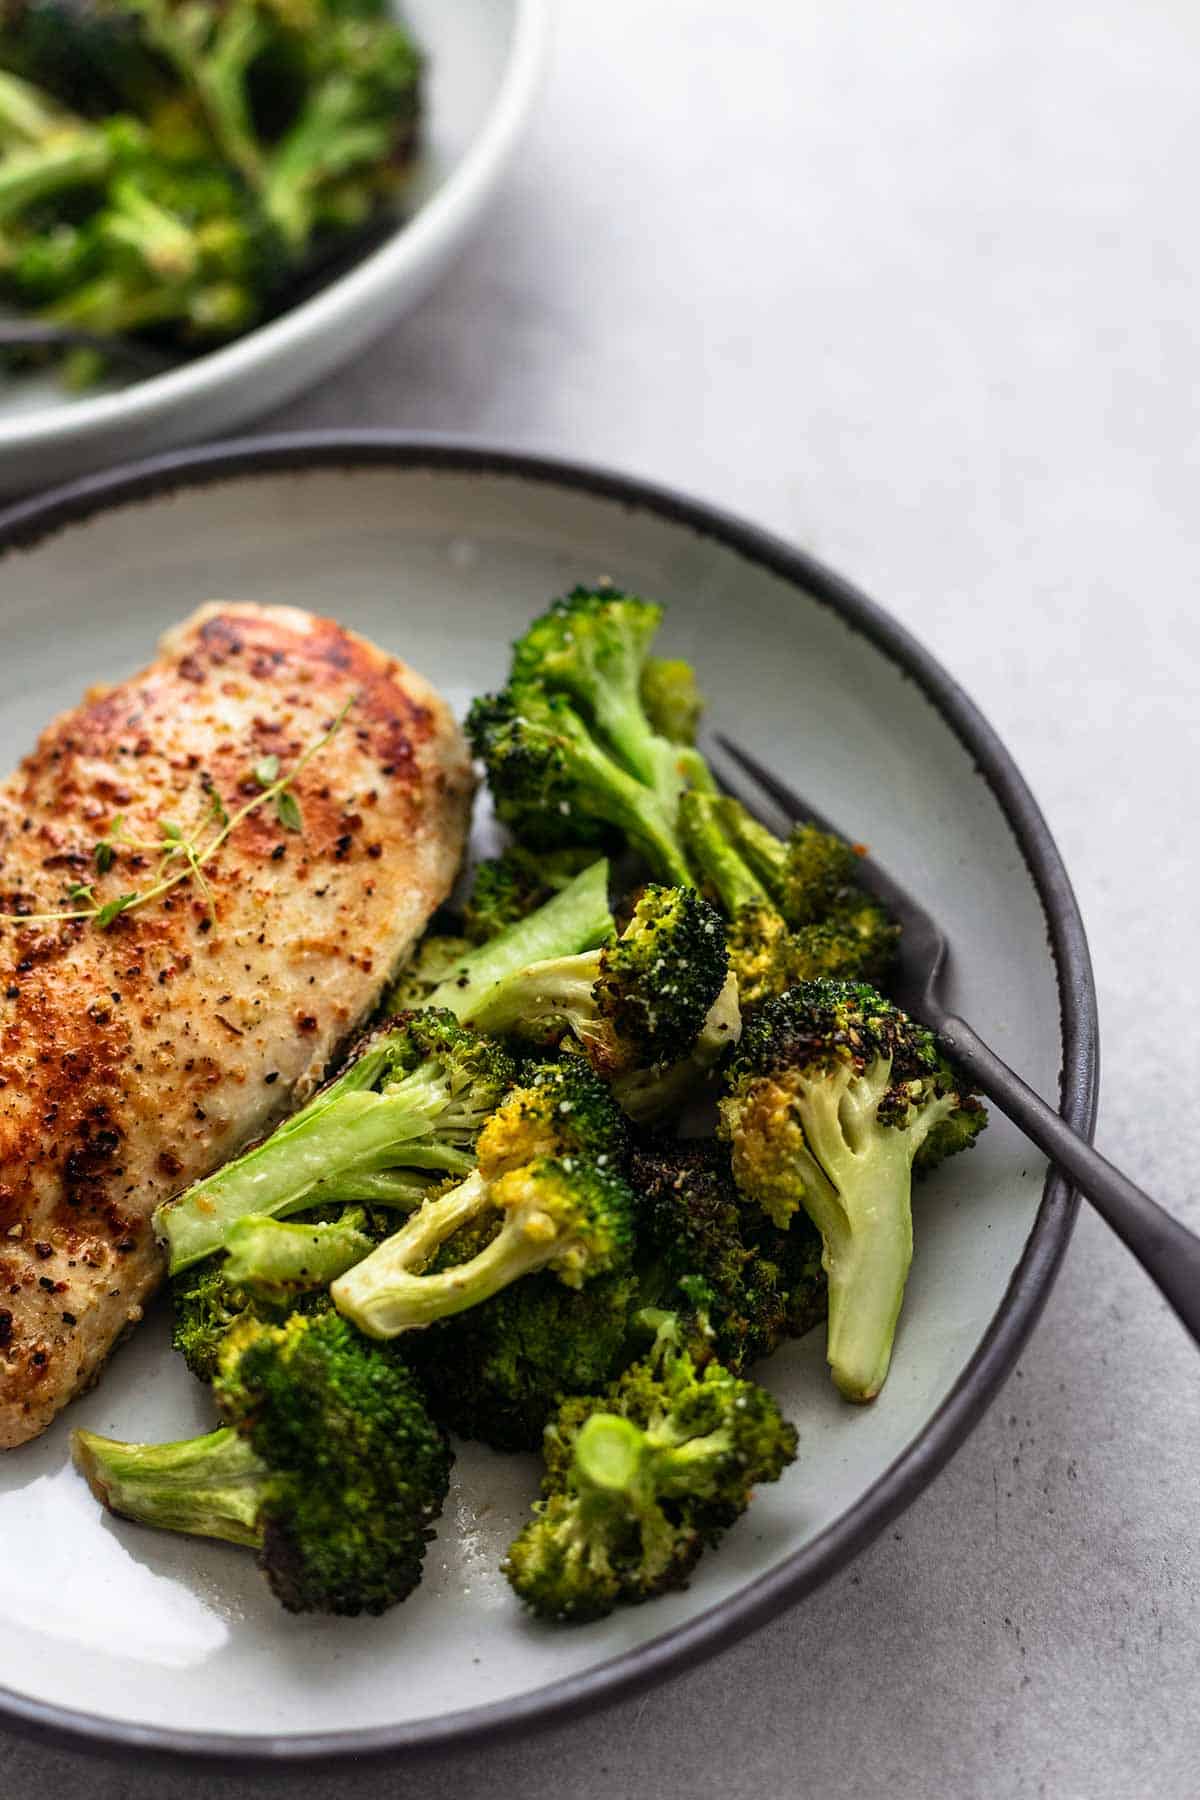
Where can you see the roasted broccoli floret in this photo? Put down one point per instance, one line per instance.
(671, 700)
(762, 1284)
(794, 912)
(327, 1464)
(507, 888)
(498, 1371)
(640, 1479)
(413, 1097)
(638, 1003)
(273, 1270)
(570, 754)
(549, 1170)
(832, 1096)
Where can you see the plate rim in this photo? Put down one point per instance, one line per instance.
(27, 523)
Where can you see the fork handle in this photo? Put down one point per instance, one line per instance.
(1167, 1250)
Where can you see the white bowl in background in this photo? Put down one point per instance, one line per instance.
(485, 57)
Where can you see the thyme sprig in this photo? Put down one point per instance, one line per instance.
(181, 856)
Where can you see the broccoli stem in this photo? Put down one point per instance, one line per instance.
(575, 920)
(157, 237)
(342, 1136)
(26, 115)
(28, 176)
(385, 1294)
(545, 998)
(717, 861)
(216, 73)
(858, 1193)
(610, 1454)
(207, 1486)
(273, 1260)
(764, 853)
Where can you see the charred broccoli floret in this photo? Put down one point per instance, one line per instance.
(832, 1096)
(640, 1002)
(507, 888)
(549, 1169)
(641, 1479)
(327, 1464)
(413, 1097)
(570, 753)
(498, 1371)
(794, 912)
(762, 1284)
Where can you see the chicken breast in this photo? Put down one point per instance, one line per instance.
(136, 1059)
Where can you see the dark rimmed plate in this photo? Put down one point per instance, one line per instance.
(441, 551)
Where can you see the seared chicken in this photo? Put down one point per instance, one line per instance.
(138, 1058)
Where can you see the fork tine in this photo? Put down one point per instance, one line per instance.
(786, 799)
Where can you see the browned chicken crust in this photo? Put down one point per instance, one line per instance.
(135, 1060)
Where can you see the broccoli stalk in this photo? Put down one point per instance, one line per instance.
(47, 151)
(833, 1096)
(210, 45)
(641, 1478)
(271, 1260)
(576, 919)
(347, 148)
(327, 1465)
(566, 1215)
(414, 1097)
(548, 1174)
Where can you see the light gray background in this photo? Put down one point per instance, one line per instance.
(915, 283)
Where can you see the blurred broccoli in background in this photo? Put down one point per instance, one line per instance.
(172, 168)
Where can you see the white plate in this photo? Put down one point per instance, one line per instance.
(125, 1635)
(485, 57)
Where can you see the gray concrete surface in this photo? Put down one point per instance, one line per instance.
(916, 284)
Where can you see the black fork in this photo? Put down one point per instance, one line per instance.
(1167, 1250)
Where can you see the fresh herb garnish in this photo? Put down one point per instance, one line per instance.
(181, 856)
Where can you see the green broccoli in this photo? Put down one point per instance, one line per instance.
(794, 912)
(833, 1095)
(640, 1479)
(507, 888)
(206, 1305)
(638, 1003)
(274, 1260)
(414, 1096)
(48, 151)
(671, 700)
(327, 1464)
(549, 1169)
(169, 167)
(574, 920)
(497, 1372)
(434, 961)
(761, 1284)
(570, 754)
